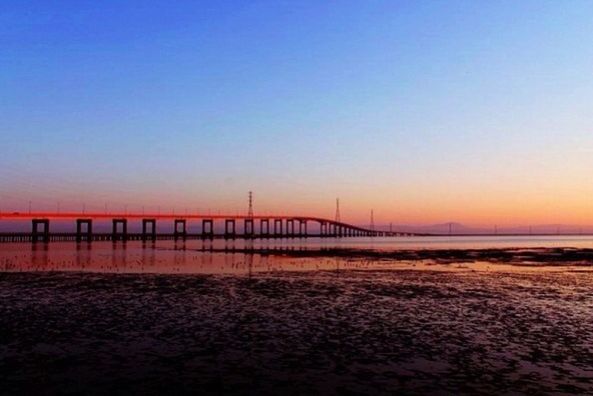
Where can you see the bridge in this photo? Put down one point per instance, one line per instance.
(253, 226)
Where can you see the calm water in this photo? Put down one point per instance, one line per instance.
(194, 257)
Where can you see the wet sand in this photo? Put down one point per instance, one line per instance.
(289, 332)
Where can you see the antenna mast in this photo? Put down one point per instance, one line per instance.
(250, 211)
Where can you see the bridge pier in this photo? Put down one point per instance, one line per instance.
(124, 233)
(145, 223)
(277, 227)
(37, 235)
(302, 228)
(179, 233)
(248, 228)
(229, 228)
(208, 228)
(264, 232)
(289, 228)
(89, 230)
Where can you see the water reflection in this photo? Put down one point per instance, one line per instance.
(205, 257)
(83, 255)
(148, 256)
(119, 258)
(151, 257)
(39, 255)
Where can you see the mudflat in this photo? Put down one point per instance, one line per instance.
(309, 332)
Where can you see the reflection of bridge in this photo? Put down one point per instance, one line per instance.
(251, 227)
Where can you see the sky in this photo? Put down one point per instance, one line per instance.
(477, 112)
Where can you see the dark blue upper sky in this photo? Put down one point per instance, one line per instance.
(424, 110)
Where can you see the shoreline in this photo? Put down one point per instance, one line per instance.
(515, 256)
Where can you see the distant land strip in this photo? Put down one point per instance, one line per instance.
(516, 256)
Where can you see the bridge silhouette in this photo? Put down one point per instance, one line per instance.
(253, 226)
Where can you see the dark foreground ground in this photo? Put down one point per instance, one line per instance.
(348, 332)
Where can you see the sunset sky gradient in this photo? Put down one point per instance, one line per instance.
(478, 112)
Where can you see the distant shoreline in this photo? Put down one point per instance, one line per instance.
(517, 256)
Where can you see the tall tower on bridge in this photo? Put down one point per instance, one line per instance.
(372, 225)
(338, 210)
(250, 210)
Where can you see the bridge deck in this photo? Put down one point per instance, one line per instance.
(283, 226)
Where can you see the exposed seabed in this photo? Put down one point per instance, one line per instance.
(340, 331)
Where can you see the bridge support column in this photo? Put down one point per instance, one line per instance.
(37, 235)
(249, 228)
(208, 228)
(145, 223)
(277, 227)
(290, 228)
(322, 229)
(229, 228)
(177, 232)
(88, 234)
(302, 228)
(264, 231)
(124, 230)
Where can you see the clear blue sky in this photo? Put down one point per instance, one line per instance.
(474, 111)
